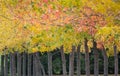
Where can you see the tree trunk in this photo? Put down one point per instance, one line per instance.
(34, 65)
(63, 61)
(49, 64)
(6, 66)
(78, 61)
(37, 66)
(2, 65)
(19, 64)
(29, 65)
(87, 61)
(38, 72)
(105, 62)
(115, 60)
(12, 65)
(40, 64)
(24, 64)
(71, 62)
(96, 64)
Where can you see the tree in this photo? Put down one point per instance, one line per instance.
(63, 61)
(78, 61)
(109, 37)
(43, 26)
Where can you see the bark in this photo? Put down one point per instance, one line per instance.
(63, 61)
(78, 61)
(87, 60)
(2, 65)
(24, 64)
(71, 62)
(34, 63)
(37, 66)
(105, 62)
(12, 65)
(40, 64)
(19, 64)
(6, 66)
(29, 65)
(96, 64)
(38, 72)
(49, 64)
(115, 61)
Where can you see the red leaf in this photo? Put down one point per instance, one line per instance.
(45, 1)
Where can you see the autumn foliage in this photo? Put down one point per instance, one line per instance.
(44, 25)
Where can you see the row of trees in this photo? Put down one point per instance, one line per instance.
(70, 25)
(37, 64)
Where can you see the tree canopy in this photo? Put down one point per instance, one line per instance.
(45, 25)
